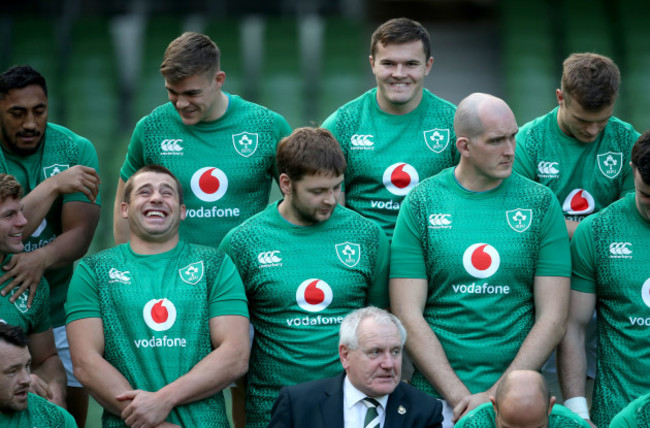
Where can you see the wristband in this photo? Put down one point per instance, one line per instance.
(579, 406)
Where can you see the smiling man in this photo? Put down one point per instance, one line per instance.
(398, 133)
(220, 146)
(19, 407)
(158, 327)
(479, 265)
(306, 263)
(39, 154)
(369, 393)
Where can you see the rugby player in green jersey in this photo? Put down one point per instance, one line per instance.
(57, 170)
(397, 134)
(19, 408)
(305, 262)
(48, 376)
(158, 327)
(581, 152)
(220, 146)
(579, 149)
(479, 265)
(522, 399)
(610, 252)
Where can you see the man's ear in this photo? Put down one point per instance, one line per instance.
(285, 184)
(344, 356)
(462, 144)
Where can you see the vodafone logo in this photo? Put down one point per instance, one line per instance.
(481, 260)
(314, 295)
(209, 184)
(159, 314)
(645, 292)
(400, 178)
(579, 201)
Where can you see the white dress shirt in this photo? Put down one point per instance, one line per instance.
(354, 411)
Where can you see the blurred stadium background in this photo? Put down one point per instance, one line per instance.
(304, 58)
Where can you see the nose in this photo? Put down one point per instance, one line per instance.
(30, 121)
(330, 198)
(20, 219)
(181, 101)
(592, 129)
(510, 148)
(25, 377)
(399, 70)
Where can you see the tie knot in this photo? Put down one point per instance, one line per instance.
(370, 402)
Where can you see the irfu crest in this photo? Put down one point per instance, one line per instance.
(610, 164)
(437, 139)
(245, 143)
(53, 170)
(519, 219)
(21, 302)
(349, 253)
(192, 273)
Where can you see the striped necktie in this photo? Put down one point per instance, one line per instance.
(372, 417)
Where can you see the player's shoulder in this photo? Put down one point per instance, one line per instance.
(241, 106)
(63, 134)
(621, 132)
(539, 126)
(361, 103)
(437, 102)
(263, 220)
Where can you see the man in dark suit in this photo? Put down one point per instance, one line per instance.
(369, 394)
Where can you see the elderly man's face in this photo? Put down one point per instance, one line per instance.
(15, 363)
(375, 366)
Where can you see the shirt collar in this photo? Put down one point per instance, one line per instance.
(351, 395)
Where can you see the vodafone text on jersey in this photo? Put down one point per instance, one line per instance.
(210, 184)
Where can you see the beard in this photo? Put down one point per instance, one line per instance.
(11, 145)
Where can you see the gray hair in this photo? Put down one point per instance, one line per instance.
(348, 335)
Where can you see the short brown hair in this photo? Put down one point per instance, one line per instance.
(399, 31)
(309, 151)
(128, 188)
(188, 55)
(641, 156)
(9, 188)
(591, 79)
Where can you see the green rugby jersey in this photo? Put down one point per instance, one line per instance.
(611, 258)
(390, 154)
(480, 253)
(585, 177)
(225, 166)
(484, 417)
(155, 311)
(32, 320)
(301, 281)
(634, 415)
(61, 149)
(39, 413)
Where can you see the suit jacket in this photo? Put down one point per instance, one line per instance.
(319, 404)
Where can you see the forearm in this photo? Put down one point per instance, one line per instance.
(65, 249)
(431, 360)
(120, 224)
(103, 382)
(37, 203)
(52, 372)
(211, 375)
(572, 363)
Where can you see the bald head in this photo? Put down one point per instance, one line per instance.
(474, 110)
(522, 399)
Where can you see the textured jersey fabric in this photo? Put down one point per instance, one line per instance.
(389, 154)
(480, 253)
(300, 283)
(484, 417)
(611, 258)
(634, 415)
(35, 319)
(155, 311)
(585, 177)
(39, 413)
(225, 167)
(61, 149)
